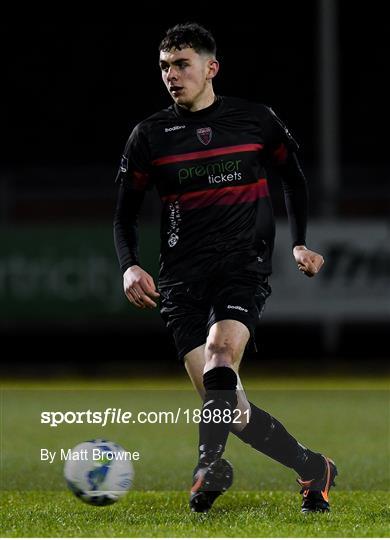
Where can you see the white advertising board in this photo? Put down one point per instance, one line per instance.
(354, 283)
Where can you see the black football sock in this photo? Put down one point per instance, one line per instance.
(267, 435)
(219, 402)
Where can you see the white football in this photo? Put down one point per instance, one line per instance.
(99, 472)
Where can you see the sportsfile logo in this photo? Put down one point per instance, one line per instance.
(240, 308)
(216, 173)
(173, 128)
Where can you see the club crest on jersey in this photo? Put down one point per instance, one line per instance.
(204, 135)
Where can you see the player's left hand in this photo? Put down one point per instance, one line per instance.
(309, 262)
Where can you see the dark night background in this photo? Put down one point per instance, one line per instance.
(74, 91)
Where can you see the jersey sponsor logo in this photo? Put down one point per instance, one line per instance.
(173, 128)
(124, 164)
(174, 220)
(239, 308)
(216, 172)
(204, 135)
(173, 240)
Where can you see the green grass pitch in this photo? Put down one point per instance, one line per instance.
(348, 419)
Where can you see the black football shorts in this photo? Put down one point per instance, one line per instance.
(190, 309)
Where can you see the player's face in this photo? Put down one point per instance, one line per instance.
(187, 75)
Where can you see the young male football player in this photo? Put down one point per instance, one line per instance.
(209, 158)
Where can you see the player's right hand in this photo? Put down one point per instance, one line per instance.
(139, 287)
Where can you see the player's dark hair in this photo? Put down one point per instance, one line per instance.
(191, 35)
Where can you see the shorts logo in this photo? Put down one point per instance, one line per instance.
(204, 135)
(240, 308)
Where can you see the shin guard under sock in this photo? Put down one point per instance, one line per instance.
(269, 436)
(217, 413)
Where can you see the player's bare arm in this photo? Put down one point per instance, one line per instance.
(309, 262)
(139, 287)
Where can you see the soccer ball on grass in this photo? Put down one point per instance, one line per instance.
(99, 472)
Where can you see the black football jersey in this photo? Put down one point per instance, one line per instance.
(210, 170)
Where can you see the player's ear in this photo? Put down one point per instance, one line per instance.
(212, 68)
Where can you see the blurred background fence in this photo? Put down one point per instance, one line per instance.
(73, 95)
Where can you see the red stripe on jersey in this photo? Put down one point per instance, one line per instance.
(208, 153)
(139, 180)
(226, 196)
(281, 153)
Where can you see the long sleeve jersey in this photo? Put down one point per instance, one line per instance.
(210, 168)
